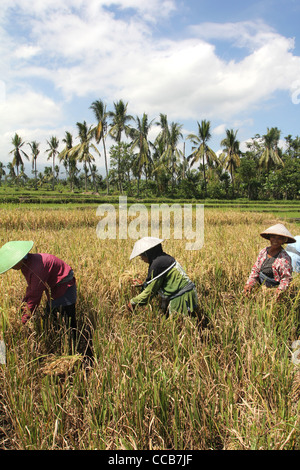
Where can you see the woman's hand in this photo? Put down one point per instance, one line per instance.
(137, 283)
(26, 314)
(247, 290)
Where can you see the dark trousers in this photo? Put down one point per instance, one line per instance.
(64, 315)
(67, 312)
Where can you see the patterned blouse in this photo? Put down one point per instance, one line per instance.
(282, 269)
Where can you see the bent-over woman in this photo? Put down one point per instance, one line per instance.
(43, 273)
(165, 277)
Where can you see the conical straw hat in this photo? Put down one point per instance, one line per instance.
(13, 252)
(278, 229)
(143, 245)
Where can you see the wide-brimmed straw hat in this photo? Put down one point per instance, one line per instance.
(13, 252)
(143, 245)
(278, 229)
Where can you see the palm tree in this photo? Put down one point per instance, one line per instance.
(101, 115)
(22, 177)
(63, 156)
(173, 154)
(293, 146)
(69, 161)
(158, 172)
(230, 158)
(169, 138)
(140, 140)
(200, 147)
(163, 137)
(2, 171)
(270, 154)
(18, 152)
(11, 172)
(35, 152)
(53, 146)
(48, 174)
(120, 118)
(81, 151)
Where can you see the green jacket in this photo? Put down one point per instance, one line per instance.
(171, 282)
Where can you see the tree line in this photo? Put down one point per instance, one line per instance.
(161, 167)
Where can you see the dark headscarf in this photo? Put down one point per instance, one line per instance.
(159, 261)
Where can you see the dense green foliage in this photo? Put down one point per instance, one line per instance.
(268, 169)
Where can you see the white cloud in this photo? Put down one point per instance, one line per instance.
(31, 115)
(28, 109)
(88, 49)
(26, 51)
(152, 10)
(248, 34)
(117, 59)
(219, 130)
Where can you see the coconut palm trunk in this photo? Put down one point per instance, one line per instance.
(100, 130)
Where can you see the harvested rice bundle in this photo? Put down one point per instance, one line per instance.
(61, 365)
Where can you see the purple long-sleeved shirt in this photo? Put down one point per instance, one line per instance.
(43, 273)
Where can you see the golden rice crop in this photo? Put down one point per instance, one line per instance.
(155, 382)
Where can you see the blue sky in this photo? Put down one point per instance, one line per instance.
(234, 63)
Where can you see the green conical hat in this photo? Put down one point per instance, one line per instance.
(13, 252)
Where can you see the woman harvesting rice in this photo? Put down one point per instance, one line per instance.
(273, 267)
(43, 273)
(165, 277)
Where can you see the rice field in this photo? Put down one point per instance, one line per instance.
(224, 380)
